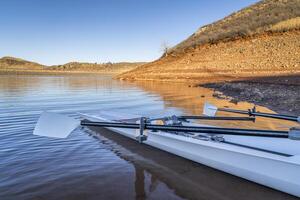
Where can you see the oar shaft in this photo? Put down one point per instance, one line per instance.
(285, 117)
(260, 133)
(269, 115)
(234, 111)
(218, 118)
(192, 129)
(110, 124)
(183, 117)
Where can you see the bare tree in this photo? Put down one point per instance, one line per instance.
(165, 48)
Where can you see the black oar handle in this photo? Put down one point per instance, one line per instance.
(192, 129)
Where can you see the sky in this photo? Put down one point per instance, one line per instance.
(59, 31)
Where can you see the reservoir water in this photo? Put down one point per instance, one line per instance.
(106, 166)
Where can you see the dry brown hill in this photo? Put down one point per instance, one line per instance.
(255, 19)
(105, 67)
(262, 39)
(18, 64)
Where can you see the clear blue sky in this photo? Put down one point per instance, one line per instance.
(59, 31)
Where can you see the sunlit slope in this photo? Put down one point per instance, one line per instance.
(262, 39)
(258, 18)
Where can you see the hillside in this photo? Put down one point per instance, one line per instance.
(13, 65)
(262, 39)
(104, 67)
(255, 19)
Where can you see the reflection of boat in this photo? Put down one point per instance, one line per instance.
(274, 162)
(139, 183)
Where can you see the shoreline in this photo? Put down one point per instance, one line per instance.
(54, 72)
(279, 93)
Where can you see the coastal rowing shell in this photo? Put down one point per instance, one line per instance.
(273, 162)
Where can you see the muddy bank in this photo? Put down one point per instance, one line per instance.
(280, 93)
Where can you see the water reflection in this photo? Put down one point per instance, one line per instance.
(189, 100)
(140, 193)
(192, 99)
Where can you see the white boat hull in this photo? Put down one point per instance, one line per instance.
(276, 171)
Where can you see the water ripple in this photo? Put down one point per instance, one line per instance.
(44, 168)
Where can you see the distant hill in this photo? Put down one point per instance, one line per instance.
(105, 67)
(262, 39)
(17, 65)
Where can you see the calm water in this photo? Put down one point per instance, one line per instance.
(86, 166)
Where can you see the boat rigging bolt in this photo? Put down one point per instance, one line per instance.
(142, 127)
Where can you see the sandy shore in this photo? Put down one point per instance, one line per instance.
(280, 93)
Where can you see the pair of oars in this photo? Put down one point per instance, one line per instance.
(60, 126)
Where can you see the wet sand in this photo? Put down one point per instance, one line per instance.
(188, 179)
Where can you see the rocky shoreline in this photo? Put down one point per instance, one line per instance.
(281, 94)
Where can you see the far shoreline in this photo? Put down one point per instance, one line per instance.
(56, 72)
(278, 92)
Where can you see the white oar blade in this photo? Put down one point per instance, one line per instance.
(209, 110)
(55, 125)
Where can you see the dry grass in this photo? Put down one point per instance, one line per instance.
(76, 66)
(287, 25)
(251, 20)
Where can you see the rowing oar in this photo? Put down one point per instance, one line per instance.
(210, 110)
(60, 126)
(187, 117)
